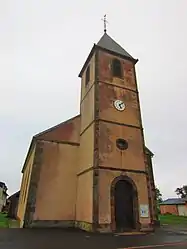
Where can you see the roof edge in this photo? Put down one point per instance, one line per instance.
(16, 193)
(87, 60)
(36, 137)
(173, 201)
(95, 46)
(28, 153)
(55, 126)
(149, 151)
(118, 54)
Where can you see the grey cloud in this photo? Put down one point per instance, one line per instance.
(44, 44)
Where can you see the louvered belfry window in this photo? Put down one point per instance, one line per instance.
(116, 68)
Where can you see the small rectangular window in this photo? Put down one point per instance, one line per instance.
(87, 75)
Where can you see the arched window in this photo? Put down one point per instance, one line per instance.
(116, 68)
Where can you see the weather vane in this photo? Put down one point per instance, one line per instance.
(105, 22)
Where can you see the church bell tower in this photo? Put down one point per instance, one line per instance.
(113, 189)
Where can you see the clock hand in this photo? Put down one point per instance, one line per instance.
(120, 105)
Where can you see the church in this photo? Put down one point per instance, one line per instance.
(93, 171)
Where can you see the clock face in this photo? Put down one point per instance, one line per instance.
(119, 105)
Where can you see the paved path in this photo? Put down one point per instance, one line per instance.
(60, 239)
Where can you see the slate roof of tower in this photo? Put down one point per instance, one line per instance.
(108, 43)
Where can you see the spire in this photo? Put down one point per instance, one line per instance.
(109, 44)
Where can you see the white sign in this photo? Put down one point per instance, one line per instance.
(144, 211)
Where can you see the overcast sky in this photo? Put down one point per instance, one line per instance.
(43, 45)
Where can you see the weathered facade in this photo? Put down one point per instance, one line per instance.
(93, 171)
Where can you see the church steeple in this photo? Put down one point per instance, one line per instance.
(111, 134)
(107, 44)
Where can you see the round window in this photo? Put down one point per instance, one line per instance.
(121, 144)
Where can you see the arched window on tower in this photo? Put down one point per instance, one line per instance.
(116, 68)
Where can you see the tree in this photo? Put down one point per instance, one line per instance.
(158, 200)
(158, 196)
(182, 192)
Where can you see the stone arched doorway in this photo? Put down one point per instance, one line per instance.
(124, 204)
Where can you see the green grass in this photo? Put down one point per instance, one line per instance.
(173, 220)
(3, 221)
(13, 224)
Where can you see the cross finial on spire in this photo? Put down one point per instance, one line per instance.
(105, 22)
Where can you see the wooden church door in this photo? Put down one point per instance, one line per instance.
(123, 199)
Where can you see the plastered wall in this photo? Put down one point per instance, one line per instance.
(84, 200)
(26, 176)
(56, 194)
(111, 156)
